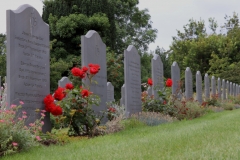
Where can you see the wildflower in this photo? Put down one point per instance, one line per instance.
(20, 119)
(1, 120)
(31, 124)
(42, 122)
(13, 106)
(43, 115)
(23, 112)
(43, 111)
(24, 116)
(38, 138)
(21, 102)
(14, 144)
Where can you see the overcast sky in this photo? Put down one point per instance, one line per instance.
(167, 15)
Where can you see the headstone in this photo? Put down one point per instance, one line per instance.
(227, 89)
(231, 88)
(150, 91)
(219, 88)
(157, 75)
(206, 87)
(223, 89)
(236, 89)
(122, 100)
(188, 84)
(28, 61)
(132, 78)
(110, 92)
(63, 81)
(94, 51)
(175, 74)
(199, 87)
(213, 86)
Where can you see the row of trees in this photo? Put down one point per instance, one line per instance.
(121, 23)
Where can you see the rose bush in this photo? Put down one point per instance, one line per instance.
(72, 105)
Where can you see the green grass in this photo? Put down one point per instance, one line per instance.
(214, 136)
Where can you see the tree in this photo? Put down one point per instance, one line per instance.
(3, 57)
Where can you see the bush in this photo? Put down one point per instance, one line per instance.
(188, 109)
(152, 118)
(14, 135)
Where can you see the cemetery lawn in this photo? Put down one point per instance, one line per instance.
(213, 136)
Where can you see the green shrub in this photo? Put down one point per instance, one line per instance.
(152, 118)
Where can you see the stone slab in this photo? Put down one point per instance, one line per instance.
(28, 61)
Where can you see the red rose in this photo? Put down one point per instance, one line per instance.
(48, 99)
(150, 82)
(84, 69)
(94, 68)
(85, 93)
(56, 111)
(49, 107)
(111, 109)
(69, 86)
(59, 94)
(78, 72)
(169, 83)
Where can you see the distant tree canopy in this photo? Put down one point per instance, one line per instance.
(119, 23)
(217, 54)
(2, 57)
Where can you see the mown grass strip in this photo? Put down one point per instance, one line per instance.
(214, 136)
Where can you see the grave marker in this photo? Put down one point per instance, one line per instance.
(175, 74)
(199, 87)
(223, 89)
(110, 92)
(188, 84)
(94, 51)
(28, 66)
(213, 86)
(206, 87)
(63, 81)
(157, 75)
(122, 100)
(227, 89)
(219, 88)
(132, 78)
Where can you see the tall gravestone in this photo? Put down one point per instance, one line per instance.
(132, 78)
(223, 89)
(199, 87)
(206, 87)
(122, 100)
(219, 88)
(236, 91)
(157, 75)
(188, 84)
(28, 67)
(213, 86)
(93, 50)
(175, 74)
(233, 89)
(227, 89)
(63, 81)
(230, 90)
(110, 92)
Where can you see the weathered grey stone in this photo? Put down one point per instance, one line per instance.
(227, 89)
(122, 100)
(149, 91)
(132, 78)
(94, 51)
(223, 89)
(110, 92)
(213, 86)
(199, 87)
(175, 74)
(206, 87)
(219, 88)
(63, 81)
(28, 67)
(157, 75)
(231, 88)
(188, 84)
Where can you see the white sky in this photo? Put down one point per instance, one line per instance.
(167, 15)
